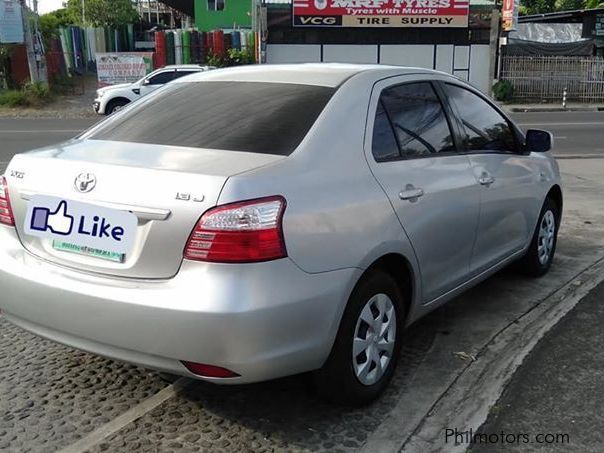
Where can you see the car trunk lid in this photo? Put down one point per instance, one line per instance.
(166, 188)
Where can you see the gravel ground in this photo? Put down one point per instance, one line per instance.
(51, 396)
(282, 415)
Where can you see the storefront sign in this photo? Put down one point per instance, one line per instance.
(11, 22)
(599, 30)
(381, 13)
(509, 15)
(120, 67)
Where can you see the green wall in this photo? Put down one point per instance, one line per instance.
(235, 12)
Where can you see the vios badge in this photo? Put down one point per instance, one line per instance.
(85, 182)
(82, 224)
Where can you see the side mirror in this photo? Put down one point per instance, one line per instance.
(538, 141)
(146, 82)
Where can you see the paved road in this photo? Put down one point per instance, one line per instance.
(575, 132)
(18, 135)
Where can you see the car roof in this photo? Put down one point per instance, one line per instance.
(184, 66)
(321, 74)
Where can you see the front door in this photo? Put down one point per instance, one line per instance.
(505, 175)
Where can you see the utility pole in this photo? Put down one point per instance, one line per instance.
(83, 12)
(29, 44)
(493, 48)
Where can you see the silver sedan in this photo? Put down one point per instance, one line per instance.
(245, 224)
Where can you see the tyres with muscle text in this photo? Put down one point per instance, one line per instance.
(337, 381)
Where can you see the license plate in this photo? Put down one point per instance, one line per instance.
(88, 251)
(82, 228)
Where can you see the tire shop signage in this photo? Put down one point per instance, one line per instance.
(122, 67)
(380, 13)
(509, 15)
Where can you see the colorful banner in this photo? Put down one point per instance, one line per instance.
(121, 67)
(11, 22)
(381, 13)
(509, 15)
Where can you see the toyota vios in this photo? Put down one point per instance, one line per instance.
(245, 224)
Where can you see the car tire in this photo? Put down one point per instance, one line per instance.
(115, 105)
(348, 379)
(538, 259)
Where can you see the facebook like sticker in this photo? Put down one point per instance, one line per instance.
(82, 224)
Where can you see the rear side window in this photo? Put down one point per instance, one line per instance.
(384, 144)
(485, 128)
(418, 119)
(180, 74)
(162, 77)
(257, 117)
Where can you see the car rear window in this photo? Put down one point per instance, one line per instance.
(257, 117)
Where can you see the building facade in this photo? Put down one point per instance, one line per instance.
(223, 14)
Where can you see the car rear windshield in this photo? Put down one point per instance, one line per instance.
(257, 117)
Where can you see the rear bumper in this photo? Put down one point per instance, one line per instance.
(261, 321)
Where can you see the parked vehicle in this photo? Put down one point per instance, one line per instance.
(246, 224)
(113, 98)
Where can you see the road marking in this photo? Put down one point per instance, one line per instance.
(131, 415)
(560, 137)
(39, 131)
(578, 156)
(595, 123)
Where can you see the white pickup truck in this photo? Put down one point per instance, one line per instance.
(112, 98)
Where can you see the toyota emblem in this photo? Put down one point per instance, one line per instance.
(85, 182)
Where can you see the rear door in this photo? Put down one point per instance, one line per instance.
(504, 172)
(412, 151)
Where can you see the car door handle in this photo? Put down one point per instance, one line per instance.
(486, 179)
(411, 193)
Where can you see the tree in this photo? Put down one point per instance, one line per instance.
(550, 6)
(103, 13)
(594, 4)
(537, 6)
(569, 5)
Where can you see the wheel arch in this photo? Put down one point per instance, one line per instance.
(115, 100)
(555, 194)
(401, 270)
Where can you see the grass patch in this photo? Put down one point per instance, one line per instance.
(31, 95)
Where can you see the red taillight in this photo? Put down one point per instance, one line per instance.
(6, 212)
(201, 369)
(244, 232)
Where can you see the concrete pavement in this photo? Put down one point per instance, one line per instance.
(557, 392)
